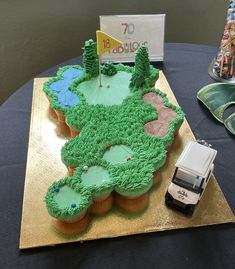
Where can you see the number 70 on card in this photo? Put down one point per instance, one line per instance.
(128, 28)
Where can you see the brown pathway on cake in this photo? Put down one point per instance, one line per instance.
(158, 127)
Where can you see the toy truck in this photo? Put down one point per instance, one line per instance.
(193, 171)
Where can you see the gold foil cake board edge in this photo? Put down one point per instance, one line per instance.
(44, 166)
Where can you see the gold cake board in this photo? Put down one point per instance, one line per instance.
(45, 166)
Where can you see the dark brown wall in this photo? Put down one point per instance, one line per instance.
(35, 35)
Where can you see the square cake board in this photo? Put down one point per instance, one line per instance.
(44, 166)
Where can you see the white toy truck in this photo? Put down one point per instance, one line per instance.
(193, 171)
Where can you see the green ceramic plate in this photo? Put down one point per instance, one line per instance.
(217, 97)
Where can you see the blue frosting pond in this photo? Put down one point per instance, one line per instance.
(66, 98)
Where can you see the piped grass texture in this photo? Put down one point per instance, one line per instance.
(65, 199)
(101, 125)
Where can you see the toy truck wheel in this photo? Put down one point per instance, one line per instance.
(168, 199)
(190, 209)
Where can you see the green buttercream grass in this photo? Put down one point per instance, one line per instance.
(100, 125)
(65, 213)
(96, 190)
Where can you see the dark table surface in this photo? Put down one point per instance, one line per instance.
(185, 67)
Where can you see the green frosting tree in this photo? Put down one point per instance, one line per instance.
(142, 68)
(109, 69)
(90, 58)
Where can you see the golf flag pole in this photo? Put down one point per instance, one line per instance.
(105, 43)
